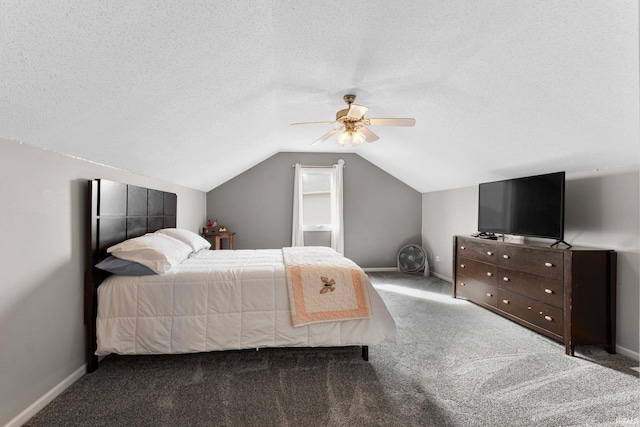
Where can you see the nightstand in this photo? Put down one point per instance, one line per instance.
(218, 237)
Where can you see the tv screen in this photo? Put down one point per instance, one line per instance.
(530, 206)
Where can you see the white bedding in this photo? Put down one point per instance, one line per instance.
(220, 300)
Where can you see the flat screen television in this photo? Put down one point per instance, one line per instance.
(530, 206)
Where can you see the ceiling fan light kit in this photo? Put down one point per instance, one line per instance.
(353, 125)
(351, 136)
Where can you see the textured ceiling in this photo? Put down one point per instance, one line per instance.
(196, 92)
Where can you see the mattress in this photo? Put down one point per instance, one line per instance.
(221, 300)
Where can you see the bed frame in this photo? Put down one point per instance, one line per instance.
(117, 212)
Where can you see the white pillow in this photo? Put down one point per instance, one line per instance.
(187, 237)
(156, 251)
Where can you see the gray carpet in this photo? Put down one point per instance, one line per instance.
(455, 364)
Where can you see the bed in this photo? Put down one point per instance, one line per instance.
(214, 300)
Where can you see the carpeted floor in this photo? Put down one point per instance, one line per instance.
(455, 364)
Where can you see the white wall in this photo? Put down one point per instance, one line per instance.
(601, 210)
(445, 214)
(42, 207)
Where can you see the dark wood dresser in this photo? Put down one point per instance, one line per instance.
(565, 294)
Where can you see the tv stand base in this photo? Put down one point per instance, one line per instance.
(557, 242)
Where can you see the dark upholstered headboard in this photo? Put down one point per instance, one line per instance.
(117, 212)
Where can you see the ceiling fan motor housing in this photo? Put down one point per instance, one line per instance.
(342, 113)
(349, 98)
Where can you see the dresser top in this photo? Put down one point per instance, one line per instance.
(530, 244)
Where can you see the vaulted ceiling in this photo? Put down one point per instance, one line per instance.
(196, 92)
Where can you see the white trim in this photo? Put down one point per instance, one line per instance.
(379, 269)
(629, 353)
(387, 269)
(619, 349)
(39, 404)
(317, 170)
(440, 276)
(317, 227)
(36, 406)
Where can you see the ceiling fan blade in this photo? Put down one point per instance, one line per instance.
(314, 123)
(326, 136)
(370, 136)
(357, 111)
(390, 122)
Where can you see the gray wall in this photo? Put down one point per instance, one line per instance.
(381, 214)
(602, 210)
(42, 206)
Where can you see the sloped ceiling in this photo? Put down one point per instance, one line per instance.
(196, 92)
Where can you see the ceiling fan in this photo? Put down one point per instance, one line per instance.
(353, 124)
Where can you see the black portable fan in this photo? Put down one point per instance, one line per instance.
(412, 259)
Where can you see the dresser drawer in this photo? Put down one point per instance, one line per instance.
(547, 263)
(477, 250)
(487, 273)
(540, 288)
(543, 315)
(476, 291)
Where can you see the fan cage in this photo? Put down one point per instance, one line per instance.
(412, 259)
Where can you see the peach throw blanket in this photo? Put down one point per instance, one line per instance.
(324, 286)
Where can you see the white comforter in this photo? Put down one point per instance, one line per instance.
(220, 300)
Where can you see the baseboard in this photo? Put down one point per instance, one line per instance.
(36, 406)
(628, 353)
(43, 401)
(440, 276)
(388, 269)
(619, 349)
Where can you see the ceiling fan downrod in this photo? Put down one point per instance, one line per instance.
(342, 114)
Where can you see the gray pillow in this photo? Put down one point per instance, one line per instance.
(123, 267)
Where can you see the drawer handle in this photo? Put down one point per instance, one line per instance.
(548, 264)
(463, 284)
(548, 291)
(463, 248)
(462, 266)
(529, 308)
(489, 273)
(549, 318)
(489, 295)
(505, 256)
(489, 253)
(506, 301)
(506, 279)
